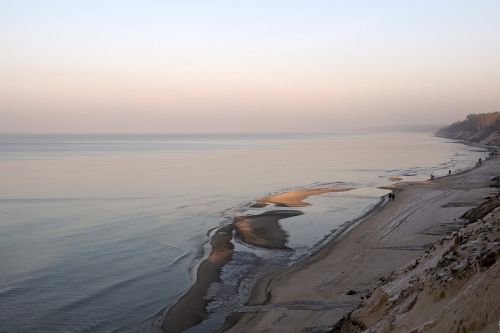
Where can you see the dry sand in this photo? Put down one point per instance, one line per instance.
(312, 296)
(295, 198)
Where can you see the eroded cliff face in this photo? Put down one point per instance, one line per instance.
(481, 128)
(452, 288)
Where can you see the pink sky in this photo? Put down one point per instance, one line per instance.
(254, 67)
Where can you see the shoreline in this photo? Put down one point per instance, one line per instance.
(190, 308)
(261, 231)
(276, 304)
(256, 230)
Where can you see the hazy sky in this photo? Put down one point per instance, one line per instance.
(244, 66)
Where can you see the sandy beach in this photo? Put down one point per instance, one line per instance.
(313, 295)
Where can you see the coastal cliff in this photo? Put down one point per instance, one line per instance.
(481, 128)
(451, 288)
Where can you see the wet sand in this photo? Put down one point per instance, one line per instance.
(263, 230)
(190, 309)
(295, 198)
(315, 294)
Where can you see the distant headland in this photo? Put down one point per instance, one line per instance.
(483, 128)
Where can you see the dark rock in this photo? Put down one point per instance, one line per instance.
(488, 259)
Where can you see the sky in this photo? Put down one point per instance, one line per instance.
(244, 66)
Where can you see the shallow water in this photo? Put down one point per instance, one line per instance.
(98, 233)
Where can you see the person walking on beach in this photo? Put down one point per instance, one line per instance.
(449, 172)
(432, 176)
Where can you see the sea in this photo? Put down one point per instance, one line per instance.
(102, 233)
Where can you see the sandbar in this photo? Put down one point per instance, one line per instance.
(190, 309)
(263, 230)
(295, 198)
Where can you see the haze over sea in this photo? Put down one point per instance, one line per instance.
(98, 233)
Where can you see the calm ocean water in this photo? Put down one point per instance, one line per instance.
(98, 233)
